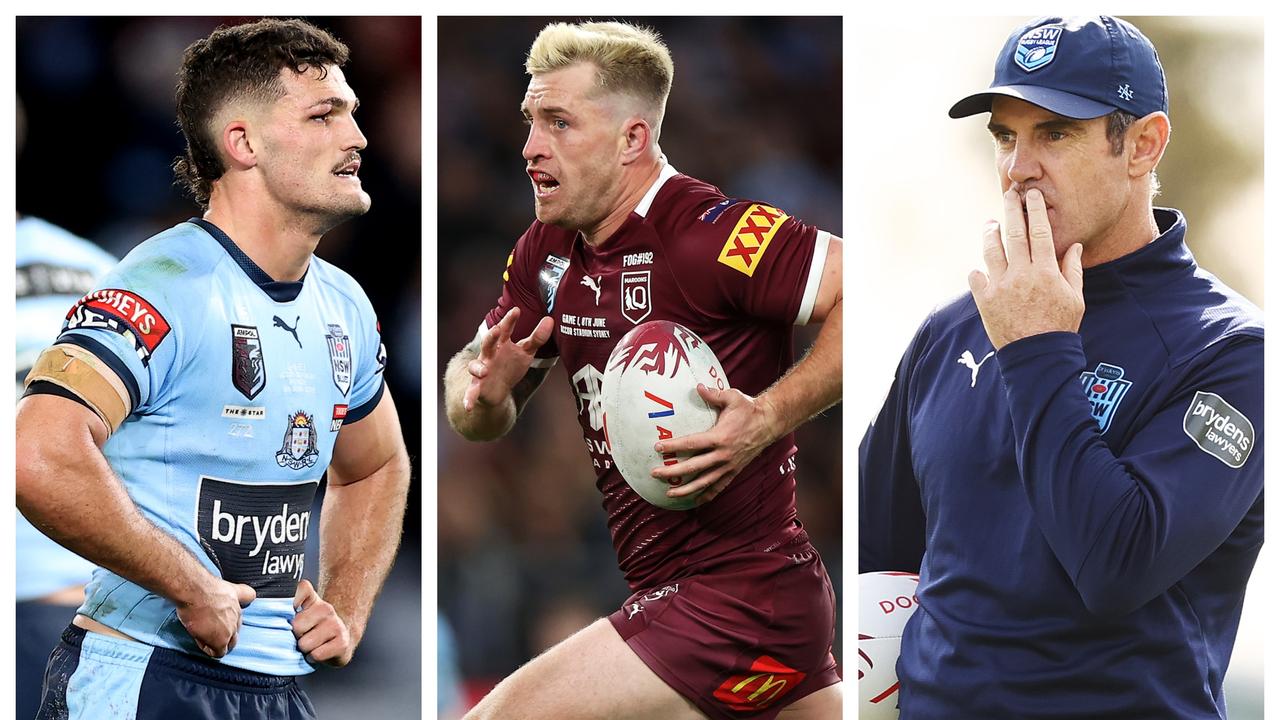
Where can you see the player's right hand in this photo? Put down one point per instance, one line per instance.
(502, 363)
(213, 618)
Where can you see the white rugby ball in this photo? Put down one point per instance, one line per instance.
(886, 600)
(650, 393)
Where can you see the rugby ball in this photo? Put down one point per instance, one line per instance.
(886, 600)
(649, 394)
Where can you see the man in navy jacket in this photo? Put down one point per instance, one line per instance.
(1071, 454)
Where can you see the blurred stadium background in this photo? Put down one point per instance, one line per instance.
(924, 185)
(100, 137)
(524, 553)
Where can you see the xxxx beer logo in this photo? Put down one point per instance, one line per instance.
(751, 237)
(758, 688)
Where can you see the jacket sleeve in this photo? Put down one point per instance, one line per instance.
(1127, 527)
(891, 522)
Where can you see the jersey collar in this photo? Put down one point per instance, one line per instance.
(276, 290)
(666, 174)
(1153, 265)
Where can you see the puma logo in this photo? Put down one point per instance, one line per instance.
(292, 330)
(966, 359)
(594, 285)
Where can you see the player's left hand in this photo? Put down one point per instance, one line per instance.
(742, 430)
(1026, 290)
(322, 634)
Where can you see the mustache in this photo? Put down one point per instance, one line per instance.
(352, 158)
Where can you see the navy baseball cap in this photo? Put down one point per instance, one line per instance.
(1081, 68)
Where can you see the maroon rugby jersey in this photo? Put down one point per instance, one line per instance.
(740, 275)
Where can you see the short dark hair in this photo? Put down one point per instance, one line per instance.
(1118, 123)
(239, 61)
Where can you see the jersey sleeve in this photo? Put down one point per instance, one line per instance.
(765, 263)
(529, 282)
(132, 323)
(891, 521)
(368, 359)
(1127, 527)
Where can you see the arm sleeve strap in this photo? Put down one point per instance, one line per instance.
(80, 372)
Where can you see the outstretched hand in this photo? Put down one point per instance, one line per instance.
(502, 362)
(1026, 290)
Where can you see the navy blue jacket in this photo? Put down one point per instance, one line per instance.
(1084, 509)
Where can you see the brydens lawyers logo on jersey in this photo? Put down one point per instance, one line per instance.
(751, 237)
(122, 312)
(256, 533)
(248, 366)
(759, 687)
(1104, 388)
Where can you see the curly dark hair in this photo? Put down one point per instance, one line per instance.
(234, 62)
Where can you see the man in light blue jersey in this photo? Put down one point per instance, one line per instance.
(178, 429)
(54, 269)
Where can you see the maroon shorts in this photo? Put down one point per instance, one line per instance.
(744, 636)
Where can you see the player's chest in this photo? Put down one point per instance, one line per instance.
(963, 441)
(596, 302)
(275, 379)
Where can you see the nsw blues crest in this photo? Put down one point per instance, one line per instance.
(1104, 388)
(248, 369)
(1037, 47)
(339, 357)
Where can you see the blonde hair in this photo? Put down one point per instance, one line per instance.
(629, 60)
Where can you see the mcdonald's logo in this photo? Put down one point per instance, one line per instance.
(758, 688)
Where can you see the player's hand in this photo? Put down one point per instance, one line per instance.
(502, 363)
(743, 429)
(1026, 290)
(322, 634)
(213, 618)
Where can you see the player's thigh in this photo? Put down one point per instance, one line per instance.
(588, 676)
(824, 704)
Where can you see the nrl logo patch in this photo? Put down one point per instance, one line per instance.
(299, 447)
(635, 296)
(1104, 388)
(1037, 48)
(549, 278)
(248, 367)
(339, 357)
(1219, 429)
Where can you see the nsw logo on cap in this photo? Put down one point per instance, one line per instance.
(1037, 47)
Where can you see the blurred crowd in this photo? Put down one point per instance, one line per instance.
(96, 104)
(524, 552)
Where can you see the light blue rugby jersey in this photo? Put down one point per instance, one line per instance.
(239, 385)
(54, 269)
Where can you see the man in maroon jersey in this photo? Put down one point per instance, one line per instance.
(732, 613)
